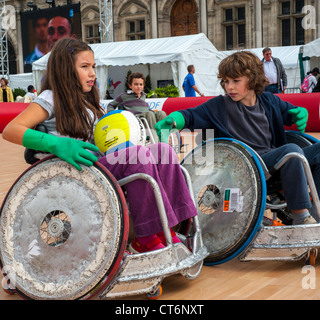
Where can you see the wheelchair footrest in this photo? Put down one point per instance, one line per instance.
(283, 243)
(140, 273)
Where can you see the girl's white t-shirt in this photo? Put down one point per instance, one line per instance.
(45, 100)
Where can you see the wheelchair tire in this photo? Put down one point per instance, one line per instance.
(63, 232)
(301, 139)
(218, 168)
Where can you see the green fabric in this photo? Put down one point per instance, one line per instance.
(175, 121)
(299, 117)
(67, 149)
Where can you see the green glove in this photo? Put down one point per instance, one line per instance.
(175, 121)
(68, 149)
(299, 117)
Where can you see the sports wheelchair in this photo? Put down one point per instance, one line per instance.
(234, 194)
(64, 234)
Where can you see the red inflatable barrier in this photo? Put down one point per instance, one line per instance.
(8, 111)
(310, 101)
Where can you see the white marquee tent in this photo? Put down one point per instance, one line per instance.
(312, 50)
(21, 80)
(173, 54)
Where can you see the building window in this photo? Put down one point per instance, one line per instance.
(142, 26)
(290, 17)
(235, 27)
(132, 27)
(92, 33)
(136, 30)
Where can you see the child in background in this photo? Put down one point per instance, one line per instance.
(256, 118)
(69, 106)
(135, 101)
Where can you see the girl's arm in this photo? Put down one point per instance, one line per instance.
(71, 150)
(29, 118)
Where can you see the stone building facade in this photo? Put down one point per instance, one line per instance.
(228, 24)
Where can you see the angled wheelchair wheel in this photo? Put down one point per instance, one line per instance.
(63, 232)
(301, 139)
(230, 193)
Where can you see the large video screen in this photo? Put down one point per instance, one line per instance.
(40, 29)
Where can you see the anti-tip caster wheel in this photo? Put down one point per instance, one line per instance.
(312, 256)
(156, 294)
(7, 287)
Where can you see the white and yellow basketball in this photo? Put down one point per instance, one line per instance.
(117, 130)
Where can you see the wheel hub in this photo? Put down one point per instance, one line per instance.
(55, 228)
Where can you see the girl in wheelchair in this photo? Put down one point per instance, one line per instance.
(257, 118)
(69, 107)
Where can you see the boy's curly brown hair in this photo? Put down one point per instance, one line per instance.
(243, 63)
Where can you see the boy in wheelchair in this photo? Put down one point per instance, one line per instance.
(257, 118)
(134, 101)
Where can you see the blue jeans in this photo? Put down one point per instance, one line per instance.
(293, 179)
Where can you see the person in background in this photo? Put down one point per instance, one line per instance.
(58, 28)
(6, 94)
(30, 95)
(40, 33)
(189, 85)
(312, 79)
(317, 87)
(274, 72)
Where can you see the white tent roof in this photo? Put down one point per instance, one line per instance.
(125, 53)
(312, 49)
(179, 51)
(21, 80)
(150, 51)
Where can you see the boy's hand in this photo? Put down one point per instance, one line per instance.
(164, 127)
(299, 117)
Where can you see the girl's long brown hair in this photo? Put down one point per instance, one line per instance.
(71, 104)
